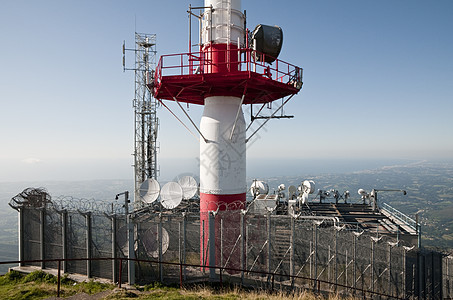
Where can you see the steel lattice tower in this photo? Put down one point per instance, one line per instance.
(145, 107)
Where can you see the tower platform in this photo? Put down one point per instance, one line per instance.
(188, 77)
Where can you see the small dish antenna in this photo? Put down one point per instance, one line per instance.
(189, 187)
(149, 190)
(150, 241)
(259, 188)
(171, 195)
(292, 192)
(307, 187)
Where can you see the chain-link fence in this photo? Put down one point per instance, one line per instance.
(253, 249)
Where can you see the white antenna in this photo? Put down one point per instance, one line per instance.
(149, 190)
(259, 188)
(189, 186)
(171, 195)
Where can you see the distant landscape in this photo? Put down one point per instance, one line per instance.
(429, 188)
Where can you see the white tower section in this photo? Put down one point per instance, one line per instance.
(224, 24)
(222, 161)
(222, 157)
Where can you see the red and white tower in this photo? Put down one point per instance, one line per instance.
(223, 76)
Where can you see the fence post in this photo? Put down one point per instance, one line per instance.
(336, 258)
(131, 250)
(114, 261)
(221, 249)
(184, 227)
(354, 263)
(372, 265)
(64, 239)
(21, 235)
(212, 248)
(316, 251)
(269, 242)
(203, 247)
(242, 246)
(88, 242)
(159, 233)
(41, 237)
(291, 253)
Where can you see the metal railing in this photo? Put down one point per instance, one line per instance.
(400, 216)
(314, 283)
(244, 59)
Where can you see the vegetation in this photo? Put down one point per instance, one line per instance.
(40, 285)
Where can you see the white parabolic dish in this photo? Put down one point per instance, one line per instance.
(189, 186)
(171, 195)
(150, 241)
(149, 190)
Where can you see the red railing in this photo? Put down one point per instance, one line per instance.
(233, 60)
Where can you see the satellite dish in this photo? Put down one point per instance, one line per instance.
(149, 190)
(362, 192)
(150, 241)
(171, 195)
(292, 190)
(259, 188)
(189, 186)
(308, 186)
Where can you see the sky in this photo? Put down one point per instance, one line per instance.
(378, 84)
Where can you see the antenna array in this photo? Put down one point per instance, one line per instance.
(145, 107)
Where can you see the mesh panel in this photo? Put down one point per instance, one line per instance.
(32, 243)
(101, 246)
(53, 237)
(321, 254)
(77, 243)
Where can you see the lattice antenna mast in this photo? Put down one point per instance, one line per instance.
(145, 108)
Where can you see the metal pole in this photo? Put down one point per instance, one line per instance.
(159, 233)
(41, 237)
(372, 265)
(242, 261)
(114, 256)
(21, 236)
(131, 250)
(269, 242)
(346, 269)
(354, 257)
(403, 272)
(336, 259)
(184, 242)
(328, 263)
(89, 237)
(203, 247)
(390, 271)
(64, 239)
(221, 246)
(212, 248)
(291, 253)
(316, 251)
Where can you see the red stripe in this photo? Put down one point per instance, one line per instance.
(210, 202)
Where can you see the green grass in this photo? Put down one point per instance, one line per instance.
(40, 285)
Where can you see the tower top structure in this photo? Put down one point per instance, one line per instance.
(229, 63)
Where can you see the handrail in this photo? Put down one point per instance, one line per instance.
(194, 63)
(400, 216)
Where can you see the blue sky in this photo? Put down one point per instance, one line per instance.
(378, 84)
